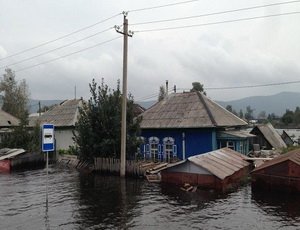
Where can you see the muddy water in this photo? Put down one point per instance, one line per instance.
(104, 202)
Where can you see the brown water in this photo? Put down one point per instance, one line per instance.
(105, 202)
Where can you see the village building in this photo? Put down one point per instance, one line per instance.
(220, 169)
(280, 173)
(7, 123)
(64, 117)
(189, 123)
(267, 137)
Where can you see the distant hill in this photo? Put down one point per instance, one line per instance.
(276, 104)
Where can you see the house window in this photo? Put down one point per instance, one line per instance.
(153, 144)
(230, 144)
(169, 148)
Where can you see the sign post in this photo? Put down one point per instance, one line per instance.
(47, 145)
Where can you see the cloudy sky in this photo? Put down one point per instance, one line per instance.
(210, 49)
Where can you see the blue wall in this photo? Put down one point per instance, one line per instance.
(196, 140)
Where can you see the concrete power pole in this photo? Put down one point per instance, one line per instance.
(124, 94)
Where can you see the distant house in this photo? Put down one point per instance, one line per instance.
(63, 117)
(185, 124)
(220, 169)
(280, 173)
(7, 122)
(267, 137)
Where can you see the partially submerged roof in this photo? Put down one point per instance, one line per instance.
(270, 135)
(188, 110)
(8, 120)
(62, 115)
(293, 156)
(221, 163)
(10, 153)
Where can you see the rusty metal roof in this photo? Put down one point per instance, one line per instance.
(188, 110)
(292, 156)
(270, 135)
(8, 120)
(221, 163)
(62, 115)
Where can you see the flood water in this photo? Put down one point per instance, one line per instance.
(77, 201)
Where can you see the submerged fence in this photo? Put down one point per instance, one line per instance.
(112, 166)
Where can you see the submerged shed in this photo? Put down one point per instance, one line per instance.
(220, 169)
(280, 173)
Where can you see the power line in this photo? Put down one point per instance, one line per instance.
(215, 23)
(61, 37)
(215, 13)
(78, 51)
(55, 49)
(161, 6)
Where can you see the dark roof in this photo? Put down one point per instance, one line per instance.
(62, 115)
(188, 110)
(270, 135)
(290, 156)
(8, 120)
(221, 163)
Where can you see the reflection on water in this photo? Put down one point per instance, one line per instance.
(107, 202)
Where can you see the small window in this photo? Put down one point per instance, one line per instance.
(230, 144)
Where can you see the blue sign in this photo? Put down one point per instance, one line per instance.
(48, 138)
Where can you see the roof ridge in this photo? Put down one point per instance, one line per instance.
(207, 108)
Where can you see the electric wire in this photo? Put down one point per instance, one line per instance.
(215, 23)
(162, 6)
(55, 49)
(215, 13)
(69, 54)
(61, 37)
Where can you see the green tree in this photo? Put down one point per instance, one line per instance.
(249, 113)
(288, 117)
(98, 131)
(229, 108)
(197, 86)
(241, 114)
(162, 93)
(16, 95)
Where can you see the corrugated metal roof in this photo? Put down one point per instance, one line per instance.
(188, 110)
(8, 120)
(292, 156)
(63, 115)
(271, 135)
(238, 133)
(221, 163)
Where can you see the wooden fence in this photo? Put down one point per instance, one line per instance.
(112, 166)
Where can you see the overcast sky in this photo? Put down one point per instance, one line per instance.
(244, 53)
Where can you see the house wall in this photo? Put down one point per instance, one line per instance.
(196, 175)
(284, 177)
(196, 141)
(63, 138)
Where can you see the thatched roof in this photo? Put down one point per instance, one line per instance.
(188, 110)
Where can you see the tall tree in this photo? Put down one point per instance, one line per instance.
(197, 86)
(249, 113)
(98, 131)
(162, 93)
(16, 95)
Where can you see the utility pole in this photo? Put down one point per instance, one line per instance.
(126, 33)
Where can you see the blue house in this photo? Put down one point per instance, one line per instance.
(187, 124)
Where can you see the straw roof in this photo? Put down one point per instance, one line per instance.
(188, 110)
